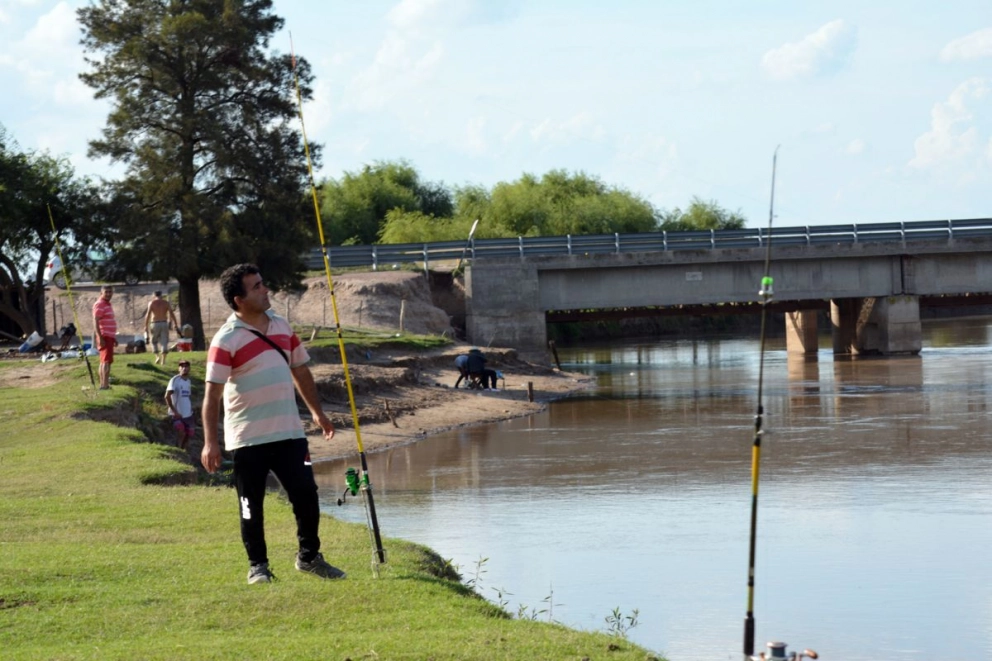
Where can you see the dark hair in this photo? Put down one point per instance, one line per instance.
(232, 282)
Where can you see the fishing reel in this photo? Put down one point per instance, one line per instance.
(354, 483)
(767, 289)
(776, 650)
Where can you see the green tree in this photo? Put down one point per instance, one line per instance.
(557, 203)
(701, 215)
(354, 209)
(563, 203)
(473, 202)
(203, 116)
(30, 185)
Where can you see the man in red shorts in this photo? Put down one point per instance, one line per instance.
(104, 333)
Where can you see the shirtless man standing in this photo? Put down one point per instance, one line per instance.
(157, 326)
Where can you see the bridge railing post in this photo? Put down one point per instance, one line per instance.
(569, 243)
(375, 259)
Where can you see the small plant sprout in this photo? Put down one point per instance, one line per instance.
(618, 624)
(501, 597)
(475, 583)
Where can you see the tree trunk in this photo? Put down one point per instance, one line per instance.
(23, 321)
(189, 310)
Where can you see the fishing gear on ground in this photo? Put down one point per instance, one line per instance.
(777, 650)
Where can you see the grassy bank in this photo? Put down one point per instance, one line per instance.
(111, 547)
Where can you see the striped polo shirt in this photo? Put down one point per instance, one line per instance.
(259, 396)
(103, 312)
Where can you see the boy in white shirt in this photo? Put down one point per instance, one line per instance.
(177, 398)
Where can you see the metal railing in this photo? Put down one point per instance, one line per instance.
(386, 255)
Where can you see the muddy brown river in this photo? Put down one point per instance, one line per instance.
(875, 511)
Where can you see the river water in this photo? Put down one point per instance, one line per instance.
(875, 512)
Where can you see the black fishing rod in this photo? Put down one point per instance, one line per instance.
(357, 482)
(766, 292)
(776, 650)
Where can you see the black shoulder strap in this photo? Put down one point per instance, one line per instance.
(271, 344)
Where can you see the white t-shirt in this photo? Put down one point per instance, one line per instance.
(181, 390)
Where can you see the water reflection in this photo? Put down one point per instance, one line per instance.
(875, 508)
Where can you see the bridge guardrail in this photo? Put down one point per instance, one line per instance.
(380, 255)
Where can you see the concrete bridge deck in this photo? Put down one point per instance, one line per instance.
(873, 286)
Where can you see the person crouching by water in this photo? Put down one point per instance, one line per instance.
(461, 364)
(477, 369)
(157, 326)
(253, 364)
(178, 399)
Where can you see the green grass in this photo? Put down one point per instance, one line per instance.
(100, 560)
(373, 339)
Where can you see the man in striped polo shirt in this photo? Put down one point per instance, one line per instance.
(254, 362)
(104, 333)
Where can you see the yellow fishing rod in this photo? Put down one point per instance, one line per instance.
(68, 288)
(356, 482)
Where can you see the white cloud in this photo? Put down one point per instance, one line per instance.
(953, 140)
(970, 47)
(8, 9)
(856, 146)
(578, 127)
(49, 56)
(415, 14)
(318, 112)
(649, 164)
(474, 138)
(410, 52)
(512, 132)
(54, 35)
(825, 51)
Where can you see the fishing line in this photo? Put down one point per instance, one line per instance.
(68, 289)
(766, 292)
(357, 482)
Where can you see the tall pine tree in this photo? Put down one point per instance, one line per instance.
(203, 116)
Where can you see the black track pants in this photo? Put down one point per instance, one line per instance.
(290, 462)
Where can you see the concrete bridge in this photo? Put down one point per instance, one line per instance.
(873, 286)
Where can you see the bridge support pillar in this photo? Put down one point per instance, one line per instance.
(885, 325)
(800, 332)
(512, 316)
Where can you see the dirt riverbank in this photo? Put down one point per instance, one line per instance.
(401, 396)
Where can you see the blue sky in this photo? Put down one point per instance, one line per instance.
(882, 109)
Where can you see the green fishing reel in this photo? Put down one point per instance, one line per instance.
(354, 483)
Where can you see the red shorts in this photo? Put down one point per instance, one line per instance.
(107, 349)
